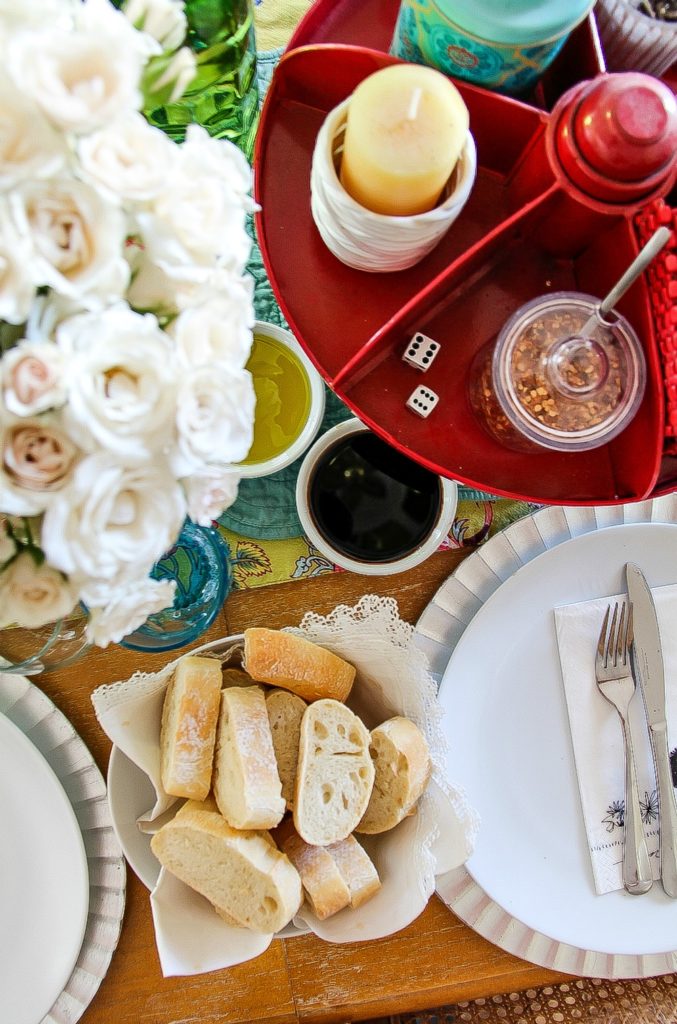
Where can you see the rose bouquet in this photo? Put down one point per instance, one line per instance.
(126, 314)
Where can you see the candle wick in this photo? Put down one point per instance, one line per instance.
(415, 103)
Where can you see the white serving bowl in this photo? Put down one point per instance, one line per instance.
(440, 529)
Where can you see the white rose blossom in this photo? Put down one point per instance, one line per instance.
(32, 378)
(17, 283)
(215, 416)
(31, 594)
(84, 78)
(38, 459)
(209, 493)
(111, 520)
(200, 215)
(218, 329)
(120, 610)
(77, 239)
(164, 20)
(121, 382)
(129, 159)
(37, 153)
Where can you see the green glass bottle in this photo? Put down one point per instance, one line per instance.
(223, 96)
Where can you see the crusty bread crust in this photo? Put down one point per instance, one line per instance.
(285, 711)
(283, 659)
(335, 876)
(188, 730)
(335, 773)
(246, 783)
(245, 877)
(402, 762)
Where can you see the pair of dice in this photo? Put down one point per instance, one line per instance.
(420, 354)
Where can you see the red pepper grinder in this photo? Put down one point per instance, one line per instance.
(612, 141)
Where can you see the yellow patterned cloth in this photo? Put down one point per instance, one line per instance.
(276, 20)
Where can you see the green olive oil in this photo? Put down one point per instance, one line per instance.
(282, 398)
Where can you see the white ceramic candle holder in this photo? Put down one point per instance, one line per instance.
(372, 241)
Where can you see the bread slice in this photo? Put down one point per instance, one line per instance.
(246, 783)
(246, 878)
(357, 869)
(335, 773)
(282, 659)
(334, 876)
(402, 761)
(188, 730)
(285, 711)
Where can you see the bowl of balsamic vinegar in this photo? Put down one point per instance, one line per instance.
(367, 507)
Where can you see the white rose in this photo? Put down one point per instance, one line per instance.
(203, 207)
(17, 284)
(210, 493)
(38, 12)
(164, 20)
(112, 520)
(31, 595)
(24, 154)
(81, 79)
(77, 239)
(129, 158)
(124, 608)
(121, 382)
(38, 459)
(162, 287)
(32, 378)
(215, 418)
(219, 329)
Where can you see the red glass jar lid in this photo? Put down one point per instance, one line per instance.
(625, 126)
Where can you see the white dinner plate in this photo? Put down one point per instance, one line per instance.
(44, 884)
(510, 747)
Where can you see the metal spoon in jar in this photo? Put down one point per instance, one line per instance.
(657, 241)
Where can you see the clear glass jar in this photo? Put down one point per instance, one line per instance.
(556, 379)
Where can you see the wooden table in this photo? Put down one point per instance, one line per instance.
(436, 960)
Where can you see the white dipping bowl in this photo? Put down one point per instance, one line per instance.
(315, 413)
(440, 528)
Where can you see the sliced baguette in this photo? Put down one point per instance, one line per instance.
(188, 730)
(246, 878)
(282, 659)
(285, 711)
(335, 773)
(334, 876)
(246, 782)
(402, 762)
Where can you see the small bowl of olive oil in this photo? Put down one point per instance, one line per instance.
(369, 508)
(290, 401)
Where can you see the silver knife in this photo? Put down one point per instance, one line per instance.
(648, 663)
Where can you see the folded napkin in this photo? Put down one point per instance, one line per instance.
(597, 736)
(392, 678)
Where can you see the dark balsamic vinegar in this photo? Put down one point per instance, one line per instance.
(371, 502)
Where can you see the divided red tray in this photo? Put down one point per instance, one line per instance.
(355, 325)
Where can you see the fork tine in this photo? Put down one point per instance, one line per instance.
(630, 635)
(619, 652)
(601, 645)
(611, 639)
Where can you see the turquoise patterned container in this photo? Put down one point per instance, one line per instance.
(501, 46)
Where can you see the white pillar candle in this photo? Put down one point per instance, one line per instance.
(405, 130)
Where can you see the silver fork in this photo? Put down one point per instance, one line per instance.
(616, 682)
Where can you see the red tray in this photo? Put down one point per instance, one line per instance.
(518, 237)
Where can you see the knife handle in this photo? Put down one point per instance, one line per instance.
(668, 809)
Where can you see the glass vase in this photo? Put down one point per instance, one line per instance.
(223, 96)
(199, 563)
(29, 652)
